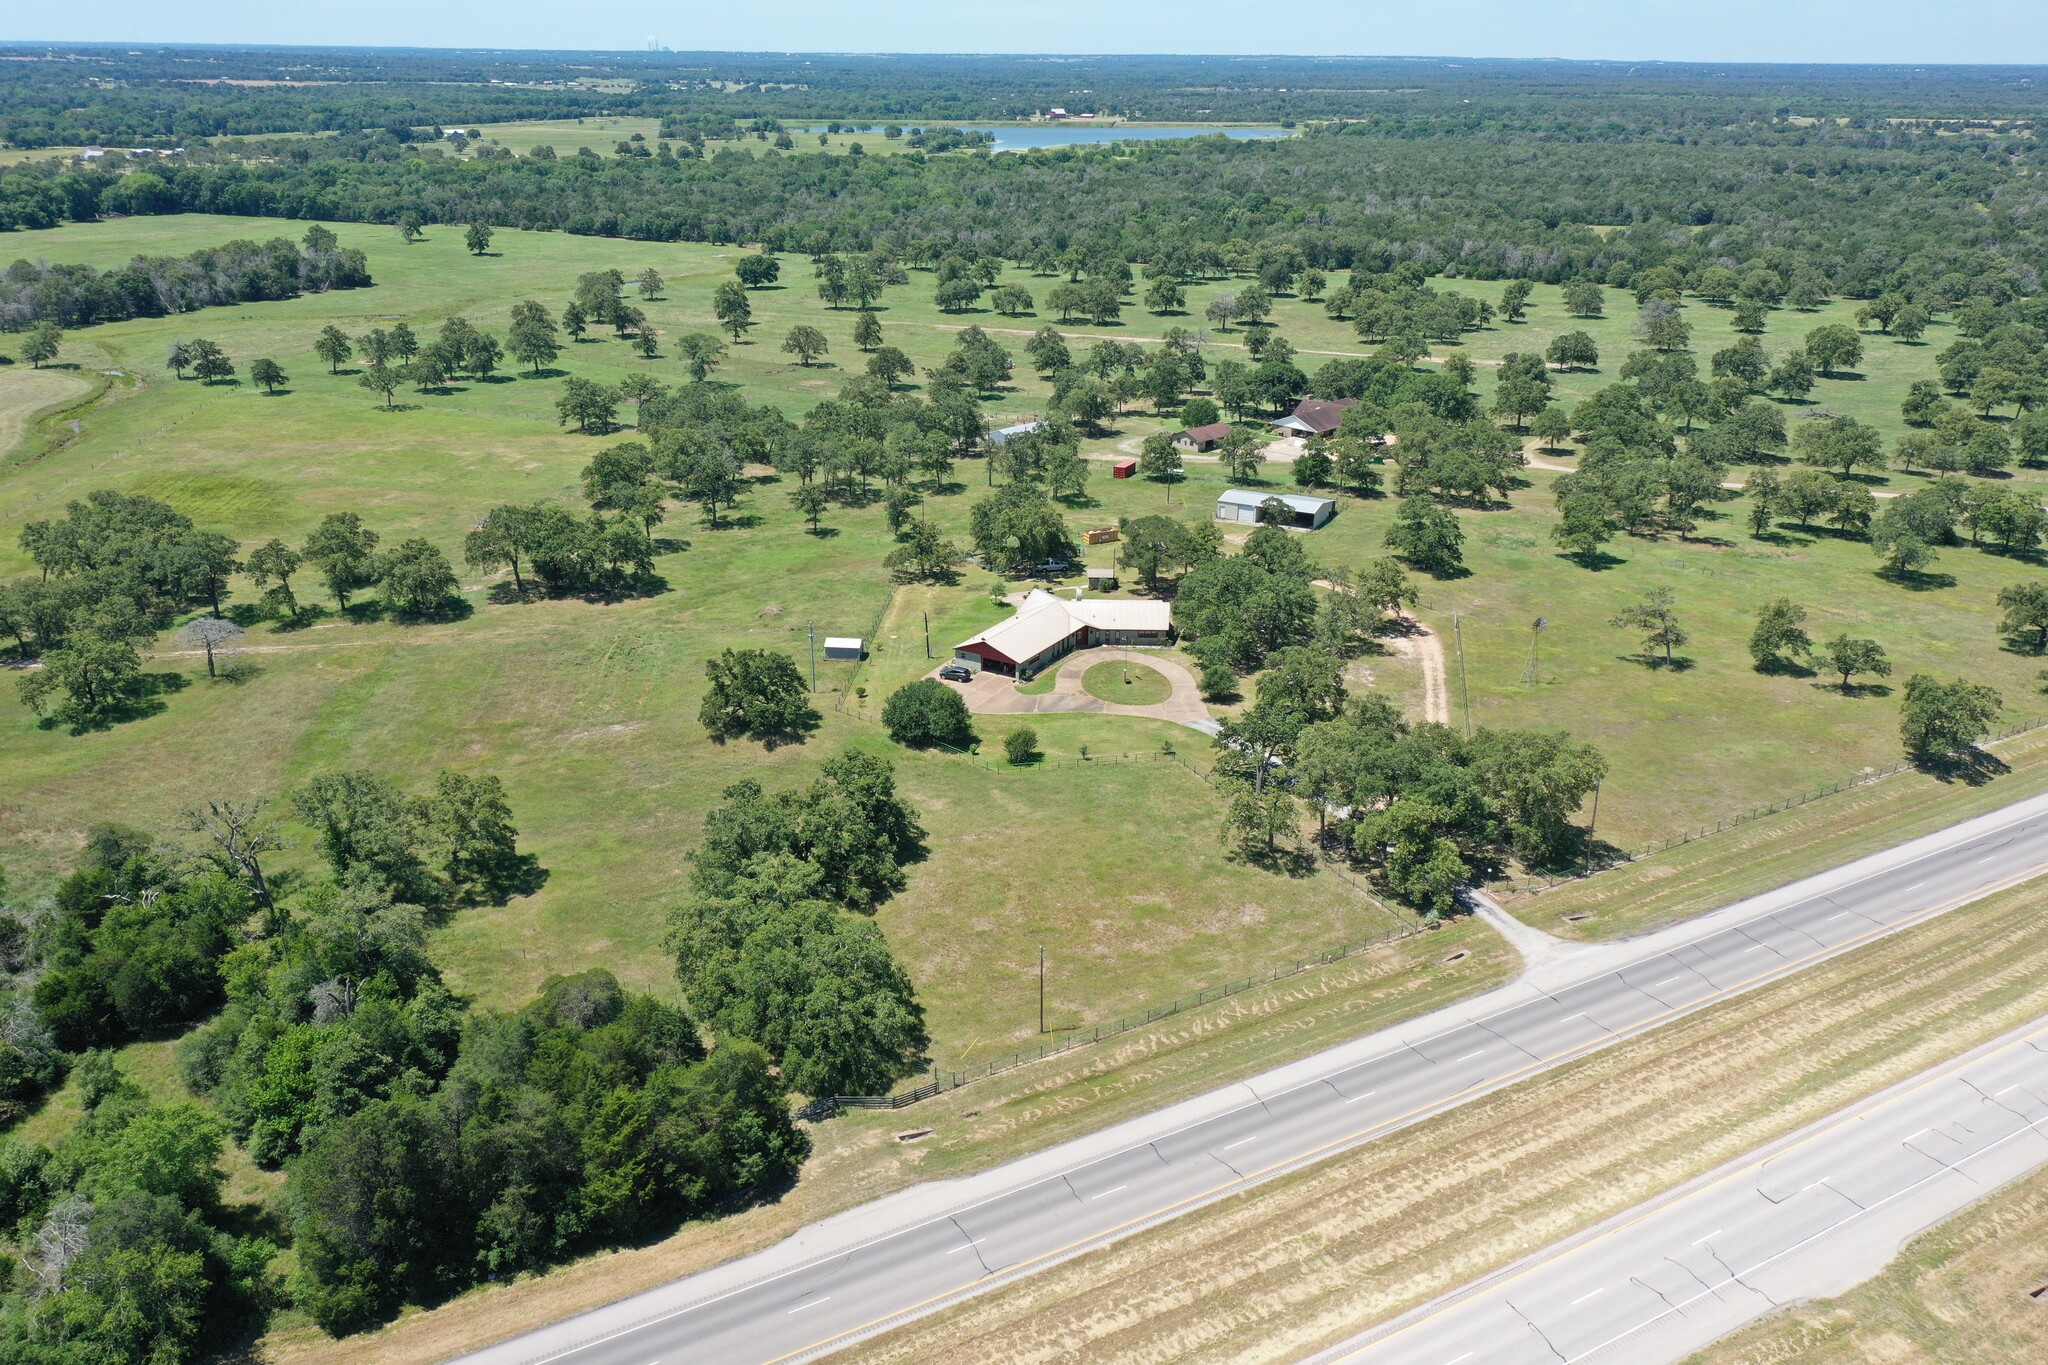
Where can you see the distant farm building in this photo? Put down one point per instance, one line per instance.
(1314, 417)
(845, 647)
(1002, 436)
(1048, 628)
(1203, 438)
(1123, 469)
(1239, 504)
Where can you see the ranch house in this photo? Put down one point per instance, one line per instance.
(1047, 628)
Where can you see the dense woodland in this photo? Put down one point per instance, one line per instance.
(117, 94)
(1480, 202)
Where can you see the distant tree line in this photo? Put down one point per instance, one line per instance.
(1520, 205)
(32, 292)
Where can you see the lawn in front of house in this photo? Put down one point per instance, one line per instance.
(1126, 683)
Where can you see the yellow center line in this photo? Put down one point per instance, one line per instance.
(1381, 1127)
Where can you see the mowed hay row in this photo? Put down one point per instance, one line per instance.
(1326, 1252)
(1961, 1294)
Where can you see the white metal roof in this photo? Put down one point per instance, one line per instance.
(1298, 502)
(842, 642)
(1121, 613)
(1040, 623)
(1043, 620)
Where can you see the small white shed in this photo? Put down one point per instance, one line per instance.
(844, 647)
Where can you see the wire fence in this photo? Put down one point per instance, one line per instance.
(868, 645)
(1656, 846)
(944, 1079)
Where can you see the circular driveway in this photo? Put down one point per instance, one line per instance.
(991, 694)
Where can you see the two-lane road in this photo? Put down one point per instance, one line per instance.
(915, 1251)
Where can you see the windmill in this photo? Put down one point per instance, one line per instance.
(1536, 629)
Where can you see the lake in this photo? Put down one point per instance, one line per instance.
(1012, 137)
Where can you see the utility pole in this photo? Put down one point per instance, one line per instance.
(1594, 823)
(812, 632)
(1041, 988)
(1464, 687)
(927, 635)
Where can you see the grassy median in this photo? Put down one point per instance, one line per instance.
(1316, 1256)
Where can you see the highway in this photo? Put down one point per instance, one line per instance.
(914, 1251)
(1808, 1216)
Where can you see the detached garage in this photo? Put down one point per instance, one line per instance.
(1243, 505)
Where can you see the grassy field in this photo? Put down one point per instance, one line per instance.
(1315, 1256)
(603, 134)
(1775, 850)
(858, 1156)
(578, 695)
(588, 711)
(1962, 1294)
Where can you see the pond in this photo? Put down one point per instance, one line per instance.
(1013, 137)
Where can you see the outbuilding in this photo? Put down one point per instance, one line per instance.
(1243, 505)
(1314, 417)
(1123, 469)
(844, 647)
(1002, 436)
(1203, 438)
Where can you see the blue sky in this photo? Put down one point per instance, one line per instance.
(1912, 31)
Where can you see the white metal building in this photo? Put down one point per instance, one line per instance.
(1240, 504)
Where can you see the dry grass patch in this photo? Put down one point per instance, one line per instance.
(1321, 1254)
(1960, 1295)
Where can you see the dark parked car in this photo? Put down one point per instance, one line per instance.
(957, 673)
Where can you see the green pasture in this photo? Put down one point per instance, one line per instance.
(589, 711)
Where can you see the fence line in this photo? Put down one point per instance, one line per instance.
(868, 643)
(944, 1079)
(1656, 846)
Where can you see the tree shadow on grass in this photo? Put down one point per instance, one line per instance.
(506, 593)
(1778, 666)
(1677, 663)
(1919, 580)
(1972, 767)
(1855, 690)
(798, 731)
(1599, 561)
(1296, 863)
(821, 532)
(310, 613)
(145, 699)
(449, 609)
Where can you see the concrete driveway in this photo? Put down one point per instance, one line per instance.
(991, 694)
